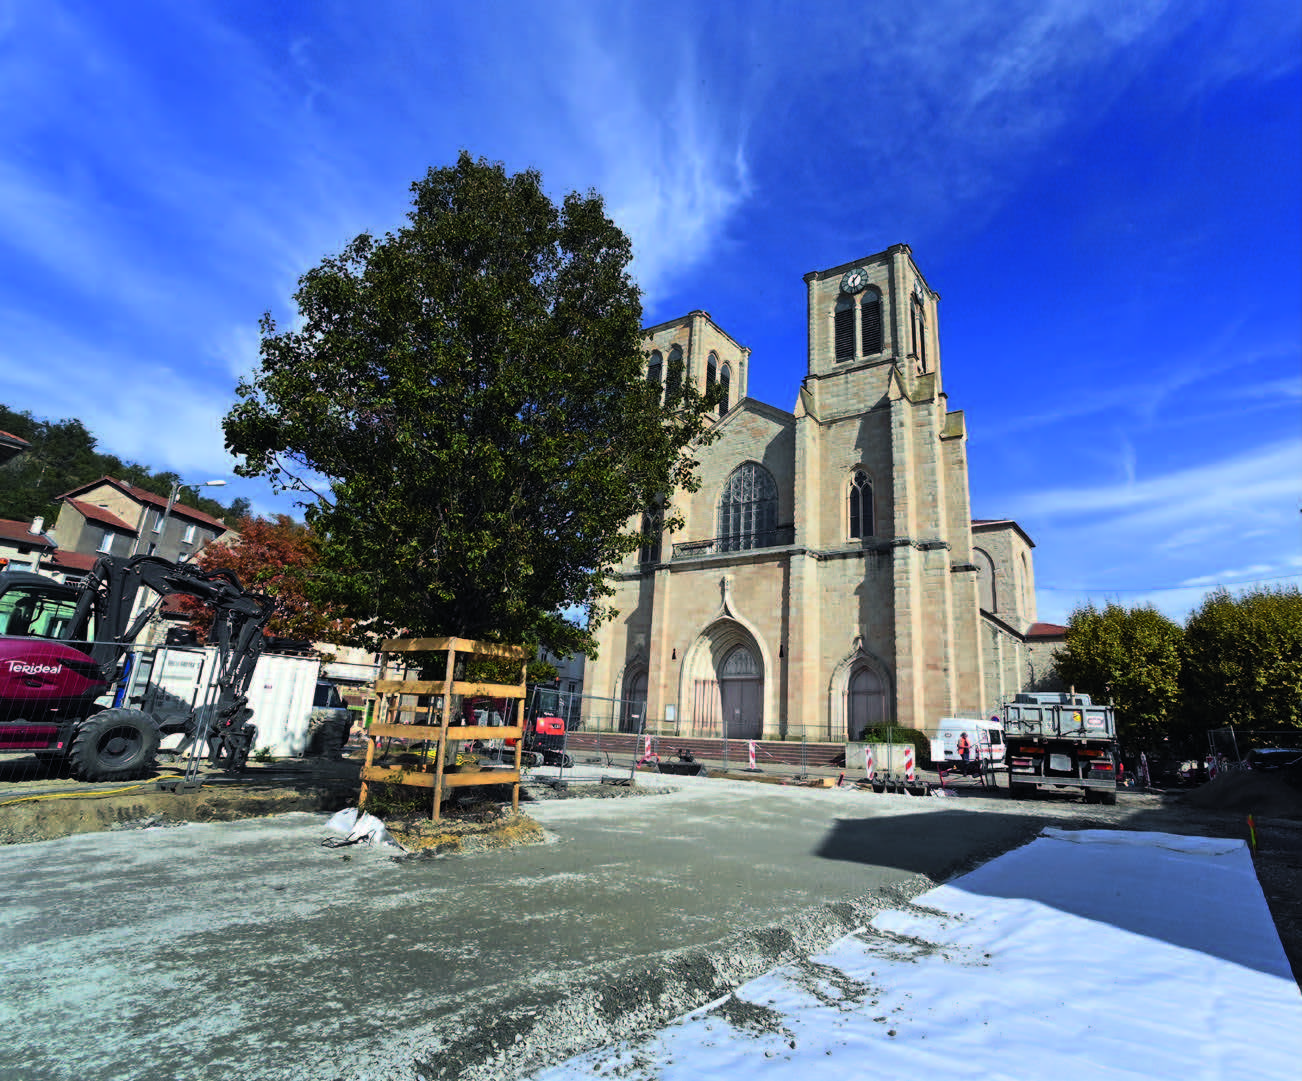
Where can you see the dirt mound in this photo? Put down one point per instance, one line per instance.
(1267, 794)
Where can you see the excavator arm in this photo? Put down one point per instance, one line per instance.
(239, 616)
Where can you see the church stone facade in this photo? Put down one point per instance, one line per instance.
(829, 574)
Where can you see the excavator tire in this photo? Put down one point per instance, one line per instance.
(114, 745)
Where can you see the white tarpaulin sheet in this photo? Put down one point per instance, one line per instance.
(1098, 953)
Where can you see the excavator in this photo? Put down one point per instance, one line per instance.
(65, 657)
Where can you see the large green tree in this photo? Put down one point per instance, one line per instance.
(1132, 656)
(1243, 660)
(462, 402)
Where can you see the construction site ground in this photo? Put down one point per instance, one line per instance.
(304, 962)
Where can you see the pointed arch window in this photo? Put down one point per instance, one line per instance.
(674, 382)
(861, 505)
(655, 368)
(652, 524)
(748, 509)
(725, 383)
(870, 321)
(919, 337)
(843, 328)
(711, 371)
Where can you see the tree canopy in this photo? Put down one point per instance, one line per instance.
(463, 404)
(1132, 657)
(1243, 660)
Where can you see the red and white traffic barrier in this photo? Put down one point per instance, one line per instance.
(646, 747)
(908, 764)
(750, 753)
(869, 772)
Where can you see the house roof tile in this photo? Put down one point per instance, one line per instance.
(76, 562)
(98, 514)
(20, 532)
(179, 509)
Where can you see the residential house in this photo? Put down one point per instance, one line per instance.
(111, 517)
(23, 544)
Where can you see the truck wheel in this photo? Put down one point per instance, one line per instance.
(1020, 791)
(114, 745)
(1108, 797)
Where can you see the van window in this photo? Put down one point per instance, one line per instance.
(327, 697)
(995, 735)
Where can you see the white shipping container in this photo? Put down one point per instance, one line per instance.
(281, 699)
(173, 680)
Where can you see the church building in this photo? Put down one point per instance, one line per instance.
(829, 575)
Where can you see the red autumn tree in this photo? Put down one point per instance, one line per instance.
(278, 557)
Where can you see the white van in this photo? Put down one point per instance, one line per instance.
(986, 734)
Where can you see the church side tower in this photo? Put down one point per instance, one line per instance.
(882, 486)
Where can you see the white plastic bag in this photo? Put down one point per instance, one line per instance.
(359, 829)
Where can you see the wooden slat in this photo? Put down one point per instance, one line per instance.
(461, 645)
(438, 686)
(489, 690)
(450, 780)
(411, 686)
(404, 731)
(400, 776)
(492, 776)
(456, 732)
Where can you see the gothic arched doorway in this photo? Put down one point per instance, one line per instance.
(741, 694)
(866, 702)
(632, 710)
(724, 683)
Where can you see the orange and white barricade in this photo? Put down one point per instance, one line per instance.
(908, 764)
(869, 772)
(750, 753)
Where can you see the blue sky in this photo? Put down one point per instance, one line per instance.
(1105, 194)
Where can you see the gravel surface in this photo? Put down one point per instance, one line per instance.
(565, 1014)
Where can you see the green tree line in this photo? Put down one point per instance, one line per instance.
(1236, 662)
(62, 456)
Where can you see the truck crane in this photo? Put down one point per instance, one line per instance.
(66, 648)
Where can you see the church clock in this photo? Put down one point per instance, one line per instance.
(854, 280)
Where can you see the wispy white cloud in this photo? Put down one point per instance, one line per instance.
(1270, 475)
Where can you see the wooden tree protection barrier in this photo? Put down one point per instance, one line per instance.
(387, 725)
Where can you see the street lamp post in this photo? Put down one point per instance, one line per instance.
(171, 501)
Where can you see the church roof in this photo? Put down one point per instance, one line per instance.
(991, 525)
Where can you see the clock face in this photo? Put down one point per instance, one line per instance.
(854, 281)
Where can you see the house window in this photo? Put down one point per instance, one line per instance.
(748, 509)
(158, 521)
(725, 379)
(188, 536)
(843, 328)
(674, 384)
(106, 542)
(870, 322)
(861, 505)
